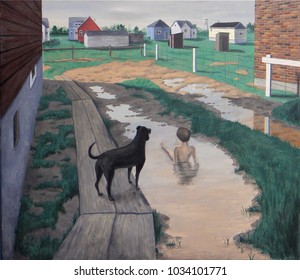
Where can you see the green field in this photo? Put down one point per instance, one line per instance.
(235, 67)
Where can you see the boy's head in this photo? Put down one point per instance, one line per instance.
(183, 134)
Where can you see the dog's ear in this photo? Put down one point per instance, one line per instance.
(149, 130)
(138, 127)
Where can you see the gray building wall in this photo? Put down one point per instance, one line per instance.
(106, 41)
(14, 158)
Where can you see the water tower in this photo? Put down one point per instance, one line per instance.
(205, 24)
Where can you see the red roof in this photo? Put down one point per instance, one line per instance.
(88, 25)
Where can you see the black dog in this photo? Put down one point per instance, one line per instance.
(125, 157)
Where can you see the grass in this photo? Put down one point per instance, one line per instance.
(289, 112)
(51, 143)
(272, 163)
(59, 96)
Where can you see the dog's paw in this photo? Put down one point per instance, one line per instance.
(111, 198)
(100, 194)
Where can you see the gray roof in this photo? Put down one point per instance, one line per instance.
(107, 33)
(158, 23)
(76, 19)
(237, 25)
(182, 22)
(45, 22)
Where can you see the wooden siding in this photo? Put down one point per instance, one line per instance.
(20, 45)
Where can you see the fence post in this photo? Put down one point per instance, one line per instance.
(267, 126)
(72, 52)
(268, 77)
(109, 50)
(194, 61)
(145, 49)
(156, 52)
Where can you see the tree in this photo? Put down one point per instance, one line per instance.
(54, 30)
(250, 27)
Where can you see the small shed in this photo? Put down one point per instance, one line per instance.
(98, 39)
(176, 41)
(188, 29)
(237, 31)
(158, 30)
(222, 42)
(88, 25)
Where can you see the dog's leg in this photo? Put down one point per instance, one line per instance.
(99, 173)
(137, 174)
(109, 175)
(129, 173)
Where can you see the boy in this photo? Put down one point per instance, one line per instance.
(182, 152)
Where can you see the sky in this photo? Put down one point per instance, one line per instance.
(143, 13)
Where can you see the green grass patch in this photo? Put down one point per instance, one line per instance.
(51, 143)
(288, 112)
(55, 115)
(271, 162)
(59, 96)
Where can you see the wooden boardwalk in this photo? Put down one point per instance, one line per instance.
(105, 230)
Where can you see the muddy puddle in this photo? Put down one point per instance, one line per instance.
(206, 206)
(231, 112)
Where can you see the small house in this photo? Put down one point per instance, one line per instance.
(98, 39)
(237, 31)
(88, 25)
(45, 30)
(188, 29)
(74, 24)
(158, 30)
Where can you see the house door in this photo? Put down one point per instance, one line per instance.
(166, 36)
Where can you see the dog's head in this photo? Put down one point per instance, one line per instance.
(144, 132)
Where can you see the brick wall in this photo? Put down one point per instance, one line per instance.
(277, 32)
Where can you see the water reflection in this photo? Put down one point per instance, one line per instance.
(185, 172)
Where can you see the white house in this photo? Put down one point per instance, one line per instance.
(237, 31)
(98, 39)
(45, 30)
(74, 23)
(188, 29)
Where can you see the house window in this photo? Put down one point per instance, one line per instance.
(158, 32)
(241, 33)
(16, 127)
(80, 32)
(32, 76)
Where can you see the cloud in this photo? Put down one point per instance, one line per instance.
(143, 13)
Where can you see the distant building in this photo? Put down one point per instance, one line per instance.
(237, 31)
(88, 25)
(188, 29)
(97, 39)
(46, 30)
(21, 88)
(158, 30)
(176, 41)
(74, 24)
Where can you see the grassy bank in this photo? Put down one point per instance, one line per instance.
(289, 112)
(269, 161)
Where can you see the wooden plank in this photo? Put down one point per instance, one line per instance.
(89, 200)
(132, 238)
(19, 13)
(89, 239)
(128, 200)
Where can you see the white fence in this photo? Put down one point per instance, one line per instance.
(275, 61)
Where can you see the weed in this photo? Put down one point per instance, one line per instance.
(55, 115)
(59, 96)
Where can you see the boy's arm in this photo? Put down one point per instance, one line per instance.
(169, 153)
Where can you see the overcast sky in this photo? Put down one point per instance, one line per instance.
(143, 13)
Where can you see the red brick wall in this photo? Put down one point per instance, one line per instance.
(277, 32)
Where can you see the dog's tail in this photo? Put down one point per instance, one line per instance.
(90, 152)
